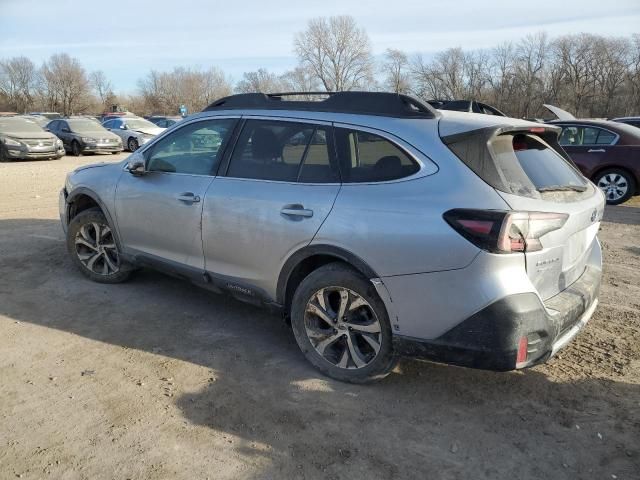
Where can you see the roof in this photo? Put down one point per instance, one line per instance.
(360, 103)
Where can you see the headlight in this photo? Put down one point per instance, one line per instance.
(58, 143)
(13, 143)
(88, 140)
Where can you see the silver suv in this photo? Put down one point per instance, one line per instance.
(379, 226)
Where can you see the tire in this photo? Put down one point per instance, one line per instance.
(132, 144)
(97, 260)
(344, 343)
(76, 151)
(3, 155)
(617, 184)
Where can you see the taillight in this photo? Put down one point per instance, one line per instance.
(499, 231)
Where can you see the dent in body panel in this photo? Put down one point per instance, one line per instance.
(429, 304)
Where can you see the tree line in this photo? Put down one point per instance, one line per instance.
(589, 75)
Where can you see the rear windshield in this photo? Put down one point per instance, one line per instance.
(521, 164)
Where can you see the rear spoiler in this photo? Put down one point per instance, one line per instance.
(548, 133)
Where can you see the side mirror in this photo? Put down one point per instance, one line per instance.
(123, 127)
(65, 130)
(135, 166)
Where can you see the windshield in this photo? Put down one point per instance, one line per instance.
(137, 123)
(19, 125)
(85, 126)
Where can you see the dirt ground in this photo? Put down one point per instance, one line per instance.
(157, 379)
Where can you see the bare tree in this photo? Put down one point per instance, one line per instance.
(165, 92)
(101, 86)
(396, 71)
(64, 84)
(502, 75)
(261, 81)
(300, 79)
(17, 82)
(531, 55)
(336, 51)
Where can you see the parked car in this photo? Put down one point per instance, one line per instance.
(606, 152)
(24, 139)
(134, 131)
(634, 121)
(164, 122)
(111, 115)
(479, 228)
(49, 115)
(84, 135)
(39, 119)
(470, 106)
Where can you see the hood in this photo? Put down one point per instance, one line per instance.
(92, 165)
(99, 134)
(558, 112)
(30, 135)
(149, 130)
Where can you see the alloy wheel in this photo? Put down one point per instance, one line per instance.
(343, 327)
(613, 185)
(132, 144)
(96, 249)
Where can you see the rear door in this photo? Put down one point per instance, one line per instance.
(566, 250)
(530, 173)
(279, 186)
(589, 147)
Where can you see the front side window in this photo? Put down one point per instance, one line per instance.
(282, 151)
(366, 157)
(194, 149)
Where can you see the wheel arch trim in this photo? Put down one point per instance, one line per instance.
(84, 191)
(316, 250)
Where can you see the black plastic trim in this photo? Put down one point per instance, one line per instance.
(95, 197)
(312, 250)
(363, 103)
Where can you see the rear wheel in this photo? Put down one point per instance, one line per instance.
(617, 185)
(92, 246)
(132, 144)
(342, 326)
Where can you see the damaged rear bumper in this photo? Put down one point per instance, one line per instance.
(490, 339)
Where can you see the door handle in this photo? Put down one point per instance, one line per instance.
(597, 150)
(188, 197)
(296, 210)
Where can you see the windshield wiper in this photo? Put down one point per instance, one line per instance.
(563, 188)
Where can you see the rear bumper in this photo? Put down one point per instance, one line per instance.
(489, 339)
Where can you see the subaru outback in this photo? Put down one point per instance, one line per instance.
(377, 225)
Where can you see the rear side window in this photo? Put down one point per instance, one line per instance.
(574, 136)
(283, 151)
(365, 157)
(521, 164)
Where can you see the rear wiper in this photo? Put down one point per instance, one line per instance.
(562, 188)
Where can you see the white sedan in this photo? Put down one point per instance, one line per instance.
(134, 131)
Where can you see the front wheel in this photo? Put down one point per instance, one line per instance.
(92, 246)
(132, 144)
(76, 151)
(341, 325)
(617, 185)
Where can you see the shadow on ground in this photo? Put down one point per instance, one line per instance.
(424, 421)
(622, 214)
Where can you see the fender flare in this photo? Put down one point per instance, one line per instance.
(96, 198)
(312, 250)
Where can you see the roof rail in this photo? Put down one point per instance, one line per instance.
(363, 103)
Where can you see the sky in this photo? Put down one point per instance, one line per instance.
(127, 38)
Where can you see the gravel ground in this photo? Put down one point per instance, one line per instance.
(157, 379)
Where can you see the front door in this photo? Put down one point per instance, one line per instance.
(279, 187)
(159, 213)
